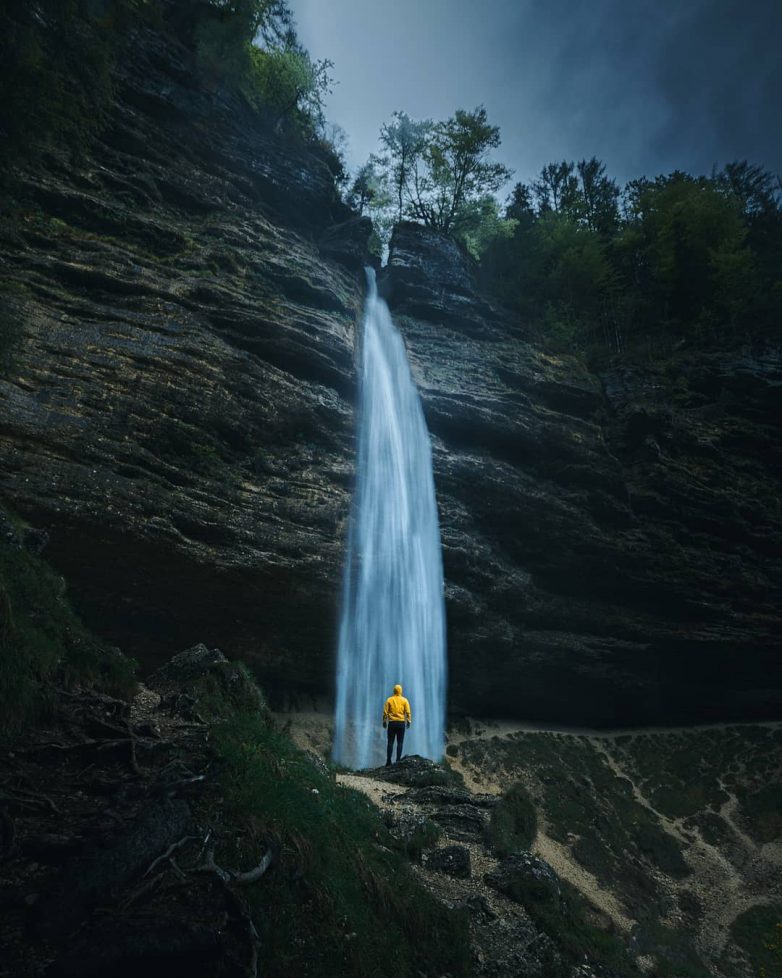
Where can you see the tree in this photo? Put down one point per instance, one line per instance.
(252, 45)
(460, 169)
(437, 169)
(556, 187)
(756, 189)
(478, 224)
(404, 141)
(597, 197)
(368, 191)
(520, 205)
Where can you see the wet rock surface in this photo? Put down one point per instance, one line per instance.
(462, 821)
(415, 772)
(611, 542)
(177, 401)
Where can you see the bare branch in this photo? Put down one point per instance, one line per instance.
(171, 849)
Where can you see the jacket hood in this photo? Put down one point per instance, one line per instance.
(397, 690)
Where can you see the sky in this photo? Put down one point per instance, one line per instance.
(647, 87)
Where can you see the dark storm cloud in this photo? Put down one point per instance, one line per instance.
(720, 73)
(647, 87)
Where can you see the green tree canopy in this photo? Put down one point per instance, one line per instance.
(436, 171)
(684, 259)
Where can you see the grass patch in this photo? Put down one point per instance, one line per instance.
(514, 822)
(41, 638)
(579, 932)
(339, 899)
(758, 932)
(762, 810)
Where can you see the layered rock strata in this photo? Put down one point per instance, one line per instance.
(176, 412)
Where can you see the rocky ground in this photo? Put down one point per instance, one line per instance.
(672, 837)
(461, 870)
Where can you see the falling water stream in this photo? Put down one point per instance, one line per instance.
(392, 628)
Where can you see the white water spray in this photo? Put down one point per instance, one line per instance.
(393, 614)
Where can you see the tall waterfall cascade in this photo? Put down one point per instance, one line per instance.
(392, 627)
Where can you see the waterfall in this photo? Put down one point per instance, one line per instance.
(392, 628)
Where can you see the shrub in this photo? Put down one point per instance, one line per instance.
(758, 931)
(252, 46)
(514, 822)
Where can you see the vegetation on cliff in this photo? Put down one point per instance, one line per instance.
(131, 832)
(57, 83)
(678, 258)
(43, 643)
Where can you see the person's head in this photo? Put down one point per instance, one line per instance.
(397, 690)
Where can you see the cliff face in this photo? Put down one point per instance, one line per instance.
(612, 543)
(176, 411)
(176, 403)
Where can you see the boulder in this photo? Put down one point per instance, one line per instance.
(463, 821)
(527, 879)
(413, 831)
(451, 860)
(448, 795)
(415, 772)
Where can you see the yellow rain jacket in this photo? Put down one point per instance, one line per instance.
(397, 707)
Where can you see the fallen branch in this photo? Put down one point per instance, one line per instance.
(204, 844)
(255, 874)
(178, 784)
(175, 866)
(244, 913)
(210, 866)
(133, 758)
(231, 876)
(169, 852)
(23, 796)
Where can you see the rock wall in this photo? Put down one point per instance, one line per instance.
(176, 412)
(175, 405)
(612, 543)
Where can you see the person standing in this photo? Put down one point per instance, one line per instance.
(396, 717)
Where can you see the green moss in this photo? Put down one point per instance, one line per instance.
(758, 932)
(41, 638)
(579, 932)
(339, 899)
(762, 811)
(675, 957)
(514, 822)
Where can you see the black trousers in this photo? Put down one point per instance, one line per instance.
(396, 731)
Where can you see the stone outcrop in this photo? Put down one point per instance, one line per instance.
(176, 413)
